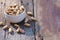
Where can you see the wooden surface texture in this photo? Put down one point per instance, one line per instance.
(47, 27)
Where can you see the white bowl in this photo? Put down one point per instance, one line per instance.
(15, 18)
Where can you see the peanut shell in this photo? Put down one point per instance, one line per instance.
(22, 31)
(29, 14)
(27, 24)
(19, 30)
(33, 19)
(26, 20)
(5, 27)
(10, 30)
(22, 7)
(1, 23)
(16, 25)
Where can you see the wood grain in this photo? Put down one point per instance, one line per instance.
(47, 12)
(2, 32)
(37, 26)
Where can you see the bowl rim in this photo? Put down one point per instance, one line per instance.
(16, 15)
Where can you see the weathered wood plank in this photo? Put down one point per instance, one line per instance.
(11, 2)
(2, 10)
(47, 12)
(37, 8)
(2, 32)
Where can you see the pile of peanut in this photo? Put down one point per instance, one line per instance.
(14, 9)
(18, 30)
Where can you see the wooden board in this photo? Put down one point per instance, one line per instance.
(37, 16)
(48, 15)
(2, 32)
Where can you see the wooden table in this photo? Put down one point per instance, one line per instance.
(47, 12)
(30, 33)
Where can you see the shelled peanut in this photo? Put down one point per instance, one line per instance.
(26, 20)
(29, 14)
(5, 27)
(1, 23)
(33, 19)
(27, 24)
(10, 30)
(19, 30)
(14, 9)
(16, 25)
(29, 17)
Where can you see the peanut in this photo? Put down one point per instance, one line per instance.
(10, 6)
(21, 11)
(22, 31)
(1, 23)
(14, 6)
(5, 27)
(10, 13)
(10, 30)
(16, 25)
(19, 30)
(26, 20)
(29, 14)
(14, 13)
(22, 7)
(17, 12)
(33, 19)
(11, 9)
(15, 9)
(27, 24)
